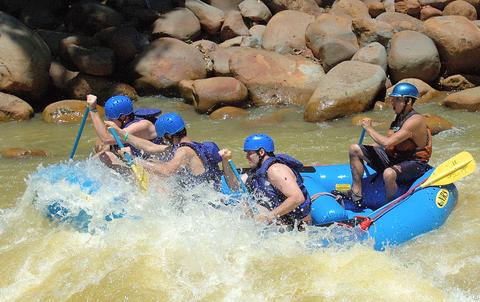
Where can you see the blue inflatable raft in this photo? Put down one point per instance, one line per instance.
(421, 212)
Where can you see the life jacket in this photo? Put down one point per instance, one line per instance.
(257, 183)
(150, 114)
(408, 149)
(208, 154)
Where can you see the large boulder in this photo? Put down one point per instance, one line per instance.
(458, 42)
(125, 41)
(66, 111)
(210, 17)
(461, 8)
(408, 7)
(233, 26)
(373, 53)
(97, 61)
(90, 17)
(228, 112)
(285, 32)
(221, 58)
(255, 10)
(24, 59)
(14, 108)
(356, 9)
(401, 22)
(428, 12)
(331, 39)
(180, 23)
(413, 55)
(468, 99)
(52, 38)
(307, 6)
(350, 87)
(436, 123)
(83, 84)
(61, 75)
(457, 82)
(225, 5)
(18, 153)
(372, 30)
(167, 61)
(209, 94)
(272, 78)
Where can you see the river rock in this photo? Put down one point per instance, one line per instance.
(408, 7)
(255, 10)
(438, 4)
(272, 78)
(61, 75)
(372, 30)
(125, 41)
(428, 12)
(401, 22)
(97, 61)
(167, 61)
(23, 153)
(350, 87)
(103, 88)
(356, 9)
(458, 42)
(210, 17)
(436, 123)
(52, 38)
(24, 59)
(66, 111)
(225, 5)
(221, 58)
(185, 87)
(307, 6)
(468, 99)
(331, 39)
(375, 8)
(228, 112)
(14, 108)
(233, 26)
(180, 24)
(90, 17)
(461, 8)
(285, 32)
(413, 55)
(211, 93)
(456, 82)
(373, 53)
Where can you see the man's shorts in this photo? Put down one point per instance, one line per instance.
(407, 172)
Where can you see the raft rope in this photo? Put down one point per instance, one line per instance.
(365, 224)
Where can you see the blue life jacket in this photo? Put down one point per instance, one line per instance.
(208, 153)
(258, 184)
(149, 114)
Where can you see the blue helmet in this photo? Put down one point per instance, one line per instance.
(118, 105)
(405, 90)
(255, 142)
(169, 123)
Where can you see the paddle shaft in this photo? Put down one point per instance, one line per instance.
(237, 176)
(79, 132)
(127, 156)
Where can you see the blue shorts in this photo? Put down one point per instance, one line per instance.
(407, 171)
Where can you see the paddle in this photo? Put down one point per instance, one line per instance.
(140, 174)
(250, 204)
(79, 132)
(453, 169)
(362, 136)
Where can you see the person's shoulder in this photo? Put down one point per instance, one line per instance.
(278, 169)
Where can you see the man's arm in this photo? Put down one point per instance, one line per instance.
(138, 142)
(401, 135)
(98, 125)
(180, 159)
(230, 177)
(282, 178)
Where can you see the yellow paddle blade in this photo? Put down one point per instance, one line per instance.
(453, 169)
(141, 176)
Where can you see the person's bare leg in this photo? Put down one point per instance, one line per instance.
(390, 179)
(356, 166)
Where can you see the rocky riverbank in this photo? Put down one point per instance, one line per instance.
(335, 59)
